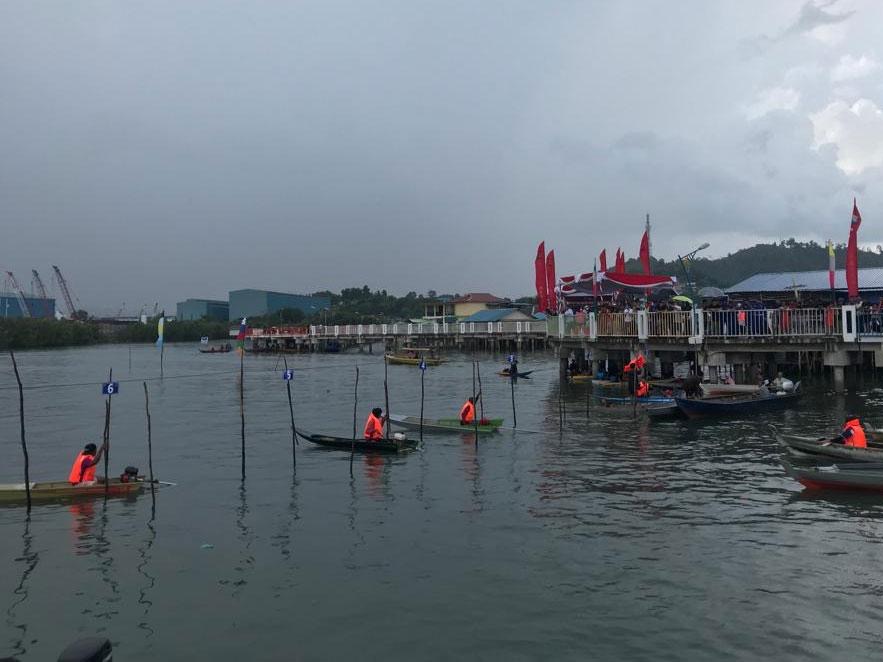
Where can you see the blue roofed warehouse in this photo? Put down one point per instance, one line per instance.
(253, 303)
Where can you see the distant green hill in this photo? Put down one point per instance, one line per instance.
(787, 255)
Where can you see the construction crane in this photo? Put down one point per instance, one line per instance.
(65, 292)
(42, 292)
(19, 293)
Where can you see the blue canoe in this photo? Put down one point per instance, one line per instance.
(736, 405)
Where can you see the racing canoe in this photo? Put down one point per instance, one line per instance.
(60, 490)
(360, 445)
(443, 424)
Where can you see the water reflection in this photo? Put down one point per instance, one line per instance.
(246, 538)
(149, 580)
(29, 559)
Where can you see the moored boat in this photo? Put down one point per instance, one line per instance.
(360, 445)
(223, 349)
(719, 390)
(580, 379)
(660, 411)
(808, 446)
(60, 490)
(413, 356)
(859, 476)
(736, 405)
(522, 375)
(443, 424)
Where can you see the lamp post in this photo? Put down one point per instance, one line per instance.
(689, 257)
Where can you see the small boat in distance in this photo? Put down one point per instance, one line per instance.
(719, 390)
(61, 490)
(221, 349)
(444, 424)
(522, 375)
(413, 355)
(360, 445)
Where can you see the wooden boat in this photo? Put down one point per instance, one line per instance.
(810, 447)
(521, 375)
(647, 401)
(408, 359)
(360, 445)
(443, 424)
(736, 405)
(580, 379)
(664, 410)
(62, 490)
(216, 350)
(847, 476)
(719, 390)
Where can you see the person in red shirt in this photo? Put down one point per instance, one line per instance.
(83, 469)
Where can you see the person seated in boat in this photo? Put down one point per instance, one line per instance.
(643, 389)
(852, 433)
(467, 412)
(83, 468)
(374, 425)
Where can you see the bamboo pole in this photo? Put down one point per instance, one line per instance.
(480, 397)
(422, 375)
(513, 375)
(242, 406)
(474, 398)
(386, 391)
(355, 409)
(21, 416)
(149, 445)
(291, 413)
(106, 441)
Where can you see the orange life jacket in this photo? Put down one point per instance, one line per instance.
(467, 412)
(89, 474)
(858, 438)
(643, 389)
(373, 428)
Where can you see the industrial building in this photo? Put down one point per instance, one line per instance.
(10, 306)
(197, 309)
(253, 303)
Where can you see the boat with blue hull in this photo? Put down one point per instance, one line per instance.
(737, 405)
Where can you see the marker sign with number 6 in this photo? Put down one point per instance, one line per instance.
(109, 388)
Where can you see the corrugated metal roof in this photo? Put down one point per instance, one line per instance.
(478, 297)
(807, 281)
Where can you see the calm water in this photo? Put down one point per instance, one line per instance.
(616, 540)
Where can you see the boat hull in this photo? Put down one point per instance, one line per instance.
(360, 445)
(861, 478)
(62, 490)
(449, 425)
(407, 360)
(718, 390)
(521, 375)
(734, 406)
(807, 447)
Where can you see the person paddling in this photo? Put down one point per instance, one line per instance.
(467, 412)
(374, 425)
(83, 468)
(852, 433)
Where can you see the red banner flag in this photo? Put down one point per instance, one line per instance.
(852, 253)
(603, 260)
(539, 266)
(620, 262)
(644, 253)
(551, 299)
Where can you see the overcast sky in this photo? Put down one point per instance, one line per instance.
(162, 150)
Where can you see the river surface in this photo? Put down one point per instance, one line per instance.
(618, 539)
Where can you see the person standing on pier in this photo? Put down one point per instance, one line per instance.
(374, 425)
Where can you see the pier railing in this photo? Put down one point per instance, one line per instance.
(843, 322)
(448, 329)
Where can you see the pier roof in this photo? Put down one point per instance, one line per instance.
(806, 281)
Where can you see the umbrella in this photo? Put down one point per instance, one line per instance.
(681, 297)
(712, 293)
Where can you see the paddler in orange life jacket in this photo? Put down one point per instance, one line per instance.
(643, 389)
(83, 468)
(852, 433)
(374, 425)
(467, 412)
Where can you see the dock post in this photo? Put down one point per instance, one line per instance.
(839, 379)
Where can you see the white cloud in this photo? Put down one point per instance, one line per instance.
(855, 131)
(775, 98)
(851, 67)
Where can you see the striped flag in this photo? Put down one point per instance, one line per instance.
(240, 337)
(831, 263)
(160, 326)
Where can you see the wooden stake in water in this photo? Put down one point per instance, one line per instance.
(474, 398)
(149, 445)
(422, 375)
(386, 391)
(242, 405)
(480, 399)
(355, 410)
(107, 437)
(21, 416)
(512, 377)
(291, 413)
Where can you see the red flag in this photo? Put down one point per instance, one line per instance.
(539, 266)
(595, 282)
(644, 253)
(852, 253)
(603, 259)
(551, 299)
(620, 262)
